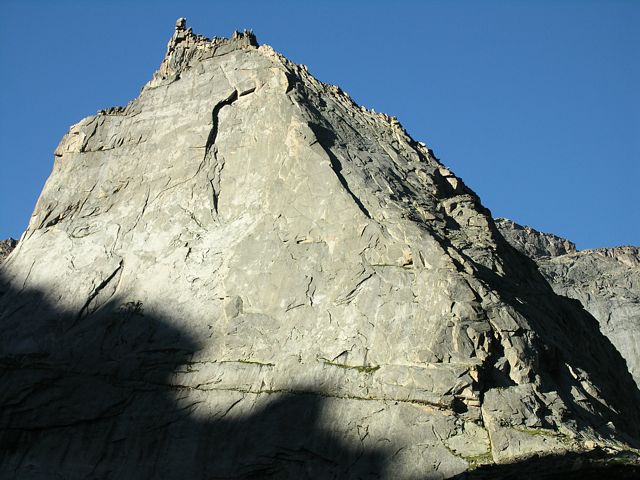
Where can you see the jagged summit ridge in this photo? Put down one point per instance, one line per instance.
(244, 255)
(184, 43)
(533, 243)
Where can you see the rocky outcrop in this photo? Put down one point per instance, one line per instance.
(244, 274)
(6, 247)
(533, 243)
(606, 281)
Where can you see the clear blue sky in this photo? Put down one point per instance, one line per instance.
(535, 104)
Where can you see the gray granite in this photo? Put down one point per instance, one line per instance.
(606, 281)
(244, 274)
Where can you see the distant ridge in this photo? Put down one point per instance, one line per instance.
(606, 281)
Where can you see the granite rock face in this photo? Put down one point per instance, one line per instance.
(244, 274)
(6, 247)
(606, 281)
(533, 243)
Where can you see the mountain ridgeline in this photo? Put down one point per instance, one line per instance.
(244, 274)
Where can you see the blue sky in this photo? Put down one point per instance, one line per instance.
(535, 104)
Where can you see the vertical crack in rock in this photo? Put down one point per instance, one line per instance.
(142, 210)
(26, 279)
(211, 150)
(336, 165)
(211, 140)
(326, 139)
(215, 181)
(98, 292)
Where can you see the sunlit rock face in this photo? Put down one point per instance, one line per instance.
(606, 281)
(244, 274)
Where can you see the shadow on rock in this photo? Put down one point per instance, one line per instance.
(594, 466)
(93, 397)
(572, 349)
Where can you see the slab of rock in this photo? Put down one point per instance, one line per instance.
(244, 274)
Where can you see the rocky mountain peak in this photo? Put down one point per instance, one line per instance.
(533, 243)
(243, 256)
(184, 45)
(6, 247)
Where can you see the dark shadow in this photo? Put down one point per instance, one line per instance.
(592, 466)
(94, 399)
(566, 334)
(327, 138)
(93, 396)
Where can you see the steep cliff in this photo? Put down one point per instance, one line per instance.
(606, 281)
(244, 274)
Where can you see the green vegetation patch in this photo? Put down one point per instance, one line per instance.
(475, 461)
(359, 368)
(250, 362)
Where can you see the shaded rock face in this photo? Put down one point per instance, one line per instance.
(532, 243)
(243, 274)
(6, 247)
(606, 281)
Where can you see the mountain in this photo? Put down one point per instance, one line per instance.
(606, 281)
(244, 274)
(533, 243)
(6, 247)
